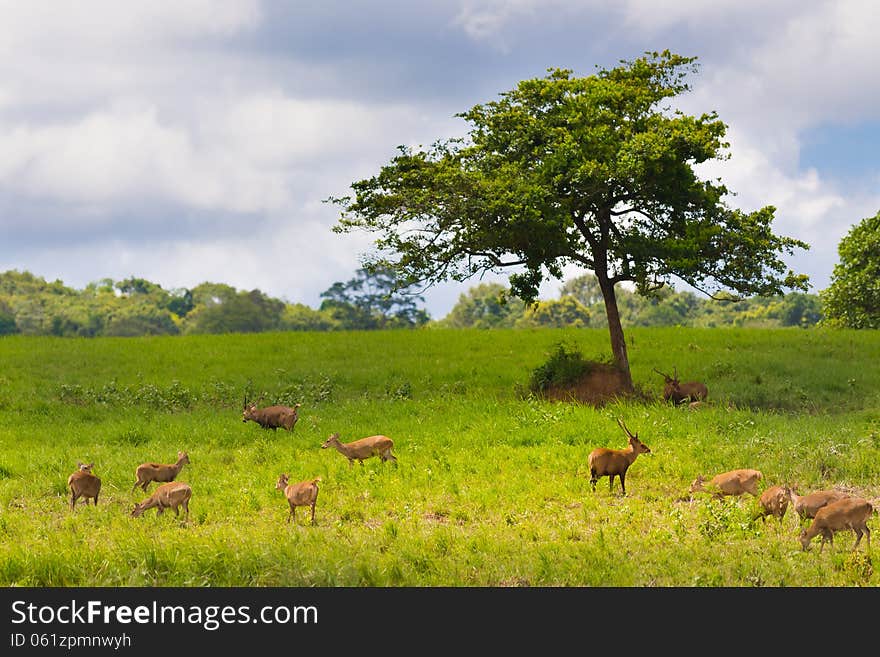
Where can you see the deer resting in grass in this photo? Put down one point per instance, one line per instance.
(604, 461)
(849, 513)
(172, 495)
(363, 448)
(83, 484)
(678, 392)
(271, 417)
(161, 472)
(806, 506)
(733, 482)
(305, 493)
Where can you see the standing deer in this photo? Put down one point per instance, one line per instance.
(604, 461)
(147, 472)
(167, 496)
(678, 392)
(806, 506)
(774, 502)
(271, 417)
(849, 513)
(83, 483)
(305, 493)
(363, 448)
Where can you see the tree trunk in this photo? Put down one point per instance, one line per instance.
(618, 341)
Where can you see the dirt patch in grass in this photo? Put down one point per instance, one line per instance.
(598, 386)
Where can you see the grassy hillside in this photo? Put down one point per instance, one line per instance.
(490, 488)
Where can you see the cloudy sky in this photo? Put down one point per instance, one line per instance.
(186, 141)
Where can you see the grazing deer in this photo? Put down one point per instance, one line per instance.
(305, 493)
(604, 461)
(147, 472)
(271, 417)
(363, 448)
(734, 482)
(806, 506)
(774, 502)
(83, 484)
(849, 513)
(678, 392)
(167, 496)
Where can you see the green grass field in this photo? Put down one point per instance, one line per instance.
(491, 488)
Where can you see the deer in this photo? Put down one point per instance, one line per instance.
(363, 448)
(774, 502)
(160, 472)
(806, 506)
(170, 495)
(848, 513)
(678, 392)
(305, 493)
(733, 482)
(83, 484)
(271, 417)
(604, 461)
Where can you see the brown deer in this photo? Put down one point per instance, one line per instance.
(849, 513)
(733, 482)
(678, 392)
(604, 461)
(172, 495)
(806, 506)
(305, 493)
(271, 417)
(160, 472)
(83, 484)
(774, 502)
(363, 448)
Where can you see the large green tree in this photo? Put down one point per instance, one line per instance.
(597, 171)
(852, 300)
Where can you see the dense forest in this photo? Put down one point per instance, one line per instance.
(30, 305)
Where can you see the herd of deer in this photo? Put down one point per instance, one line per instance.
(171, 494)
(831, 511)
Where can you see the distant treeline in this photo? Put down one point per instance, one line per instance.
(30, 305)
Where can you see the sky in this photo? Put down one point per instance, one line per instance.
(187, 141)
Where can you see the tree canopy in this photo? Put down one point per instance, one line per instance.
(596, 171)
(852, 300)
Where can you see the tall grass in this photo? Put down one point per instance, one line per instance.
(491, 487)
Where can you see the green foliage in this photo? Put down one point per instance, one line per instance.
(485, 306)
(852, 300)
(373, 299)
(579, 306)
(565, 365)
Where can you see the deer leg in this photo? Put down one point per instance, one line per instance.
(96, 499)
(593, 479)
(611, 483)
(313, 514)
(73, 497)
(622, 476)
(858, 537)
